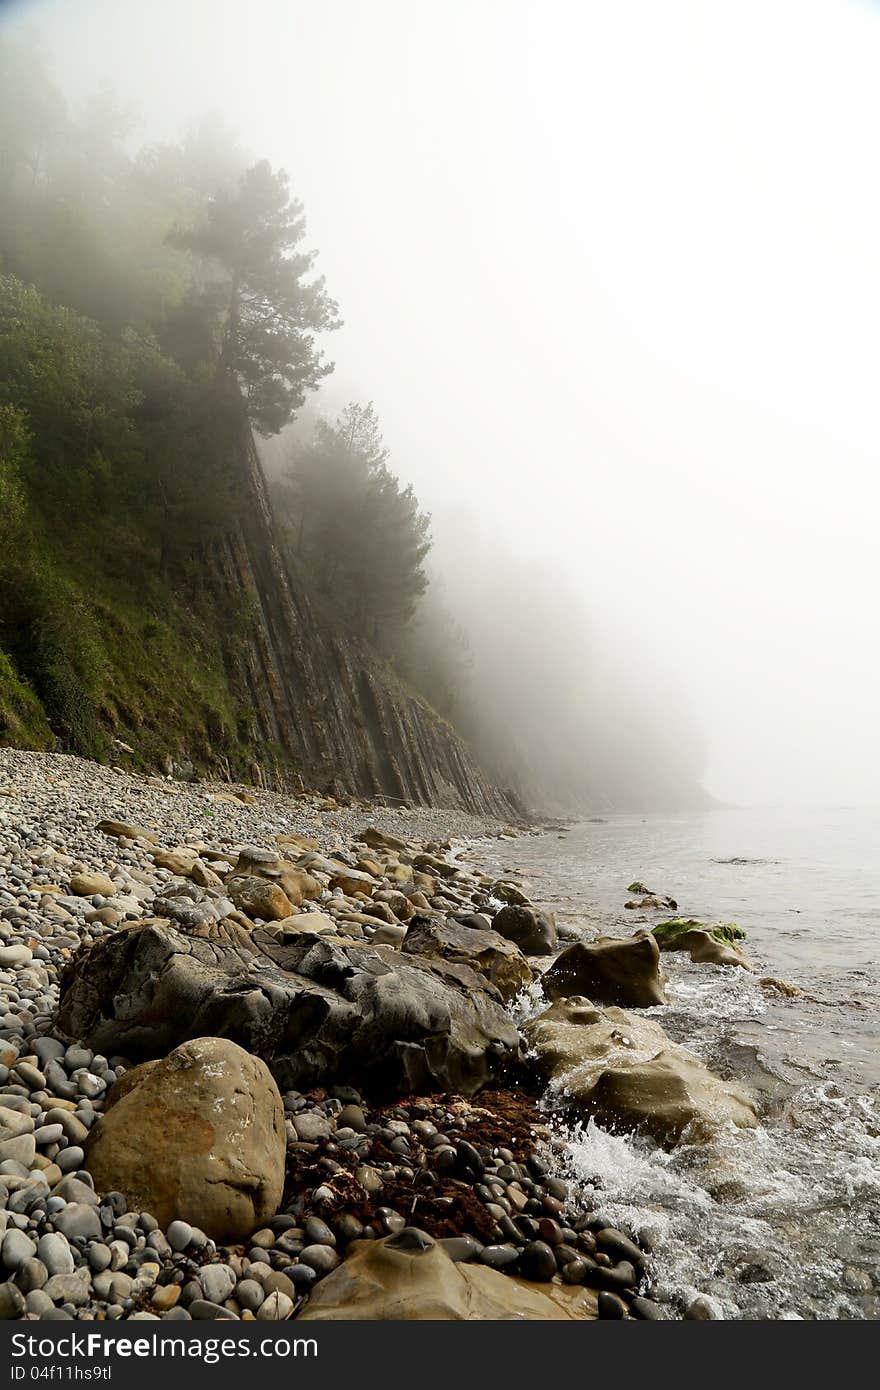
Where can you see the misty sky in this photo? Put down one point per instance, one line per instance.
(610, 274)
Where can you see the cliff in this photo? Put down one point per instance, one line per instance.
(226, 670)
(323, 708)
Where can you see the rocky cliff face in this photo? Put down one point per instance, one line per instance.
(324, 708)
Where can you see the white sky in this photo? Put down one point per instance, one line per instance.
(610, 271)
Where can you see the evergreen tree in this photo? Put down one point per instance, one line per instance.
(269, 310)
(357, 536)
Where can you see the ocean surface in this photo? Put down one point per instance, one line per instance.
(782, 1222)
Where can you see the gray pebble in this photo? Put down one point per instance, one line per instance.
(11, 1302)
(17, 1247)
(321, 1258)
(250, 1294)
(179, 1235)
(79, 1221)
(203, 1308)
(217, 1282)
(71, 1159)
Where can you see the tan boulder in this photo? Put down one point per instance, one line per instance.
(296, 882)
(378, 839)
(370, 866)
(176, 861)
(340, 875)
(425, 883)
(609, 971)
(400, 873)
(122, 830)
(397, 903)
(87, 885)
(292, 927)
(301, 843)
(386, 935)
(623, 1070)
(259, 897)
(409, 1278)
(198, 1136)
(299, 885)
(205, 877)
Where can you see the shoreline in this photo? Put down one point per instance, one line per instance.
(474, 1183)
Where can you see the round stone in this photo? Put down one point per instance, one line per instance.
(71, 1159)
(321, 1258)
(500, 1256)
(179, 1235)
(317, 1232)
(55, 1253)
(250, 1294)
(17, 1248)
(610, 1306)
(351, 1117)
(538, 1261)
(275, 1308)
(217, 1281)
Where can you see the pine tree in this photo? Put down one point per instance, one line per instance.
(269, 310)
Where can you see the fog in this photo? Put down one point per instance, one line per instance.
(609, 274)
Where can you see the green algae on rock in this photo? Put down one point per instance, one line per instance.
(728, 932)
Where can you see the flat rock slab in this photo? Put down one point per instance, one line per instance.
(399, 1279)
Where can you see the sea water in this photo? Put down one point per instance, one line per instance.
(783, 1221)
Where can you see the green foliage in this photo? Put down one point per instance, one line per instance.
(15, 439)
(353, 532)
(65, 662)
(727, 932)
(22, 717)
(270, 311)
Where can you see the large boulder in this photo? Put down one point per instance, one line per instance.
(623, 1071)
(297, 883)
(319, 1010)
(533, 932)
(198, 1136)
(484, 951)
(609, 971)
(259, 898)
(409, 1277)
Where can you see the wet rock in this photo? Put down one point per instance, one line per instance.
(533, 932)
(623, 1070)
(611, 1306)
(381, 1281)
(609, 971)
(703, 946)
